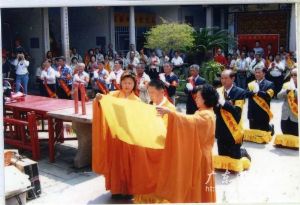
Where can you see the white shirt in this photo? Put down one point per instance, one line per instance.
(81, 78)
(232, 63)
(21, 66)
(228, 91)
(249, 60)
(136, 54)
(99, 57)
(134, 62)
(242, 64)
(73, 66)
(38, 72)
(115, 75)
(177, 61)
(144, 95)
(50, 75)
(154, 63)
(143, 79)
(100, 74)
(277, 70)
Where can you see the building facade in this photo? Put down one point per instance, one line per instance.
(59, 29)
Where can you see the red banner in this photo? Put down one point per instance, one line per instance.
(265, 39)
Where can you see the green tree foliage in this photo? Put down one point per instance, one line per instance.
(211, 70)
(168, 36)
(207, 39)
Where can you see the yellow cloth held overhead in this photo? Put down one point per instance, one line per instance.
(145, 130)
(228, 163)
(258, 136)
(287, 141)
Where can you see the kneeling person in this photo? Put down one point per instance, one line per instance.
(229, 132)
(260, 93)
(289, 116)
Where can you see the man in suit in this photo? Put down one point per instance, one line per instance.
(260, 93)
(228, 112)
(193, 81)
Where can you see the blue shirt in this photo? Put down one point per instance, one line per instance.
(65, 71)
(170, 79)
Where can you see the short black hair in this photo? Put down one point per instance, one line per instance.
(102, 62)
(47, 60)
(74, 58)
(61, 58)
(93, 56)
(209, 94)
(142, 65)
(157, 84)
(263, 69)
(119, 61)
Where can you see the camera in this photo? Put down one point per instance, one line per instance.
(20, 56)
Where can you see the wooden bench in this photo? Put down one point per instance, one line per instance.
(23, 134)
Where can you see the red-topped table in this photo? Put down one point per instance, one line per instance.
(41, 106)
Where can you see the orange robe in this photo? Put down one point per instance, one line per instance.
(187, 159)
(110, 156)
(178, 173)
(146, 163)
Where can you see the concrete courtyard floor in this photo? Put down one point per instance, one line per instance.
(274, 176)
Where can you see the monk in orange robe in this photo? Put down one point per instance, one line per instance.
(110, 156)
(186, 171)
(183, 172)
(147, 161)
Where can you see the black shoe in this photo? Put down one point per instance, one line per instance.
(244, 153)
(272, 129)
(127, 197)
(117, 196)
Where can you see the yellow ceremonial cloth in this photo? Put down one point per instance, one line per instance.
(258, 136)
(228, 163)
(146, 129)
(148, 174)
(287, 141)
(109, 154)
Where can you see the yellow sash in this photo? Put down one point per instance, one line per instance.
(292, 103)
(260, 101)
(233, 126)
